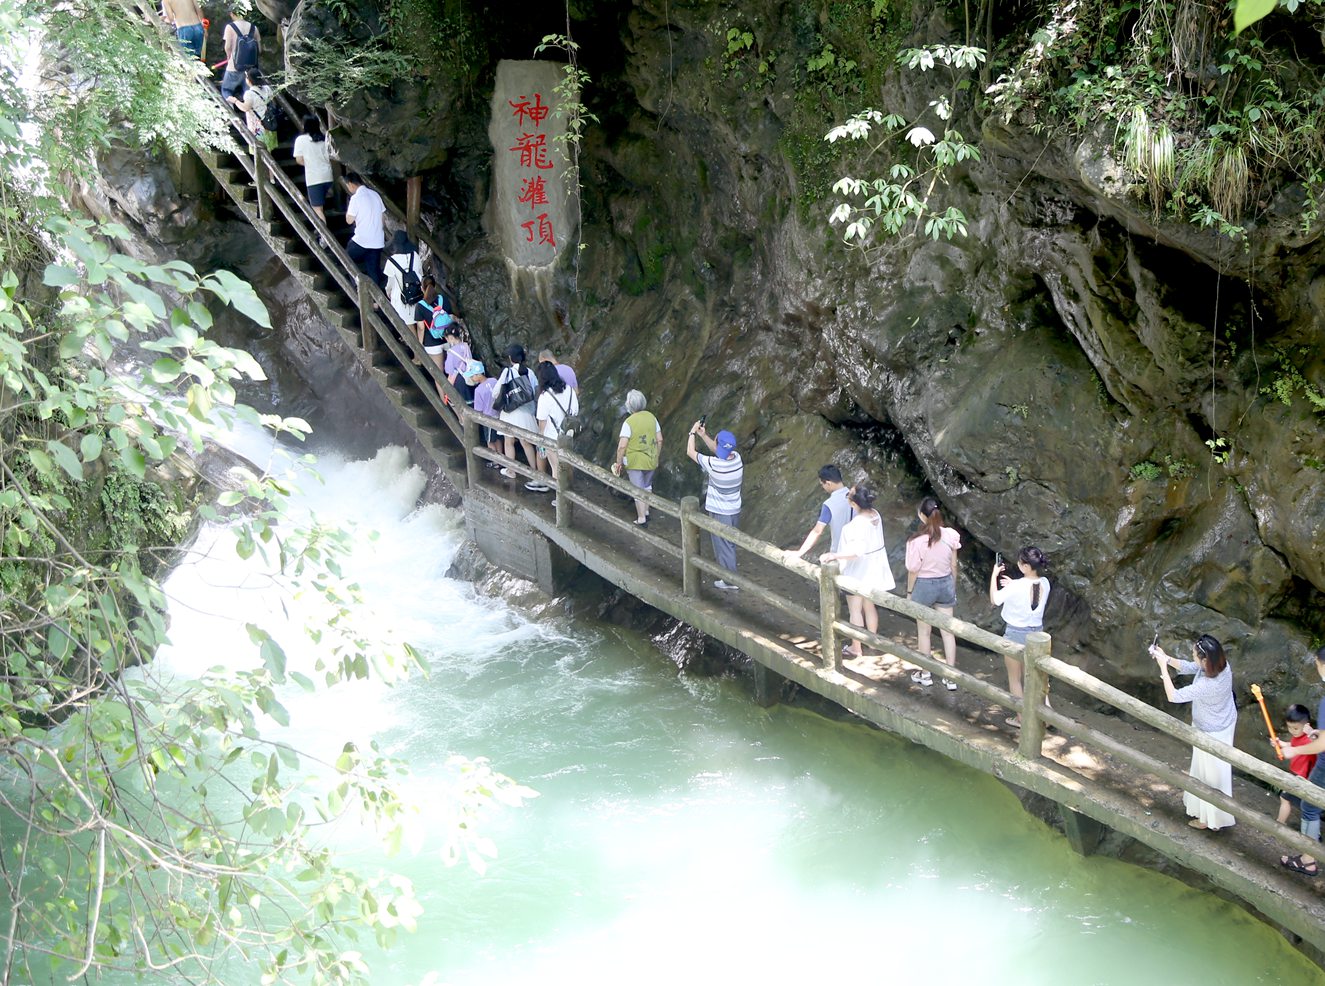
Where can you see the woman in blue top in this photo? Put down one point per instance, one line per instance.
(1213, 713)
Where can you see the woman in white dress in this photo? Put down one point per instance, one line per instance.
(1214, 712)
(866, 559)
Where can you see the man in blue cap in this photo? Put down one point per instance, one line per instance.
(724, 470)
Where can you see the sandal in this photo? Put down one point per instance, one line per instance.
(1295, 864)
(1196, 823)
(922, 678)
(848, 652)
(1013, 721)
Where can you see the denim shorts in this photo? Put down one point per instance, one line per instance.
(1018, 634)
(232, 84)
(938, 591)
(190, 39)
(317, 194)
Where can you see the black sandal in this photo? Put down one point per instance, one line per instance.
(1295, 864)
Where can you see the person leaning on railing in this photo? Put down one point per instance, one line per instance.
(1310, 824)
(833, 515)
(1213, 713)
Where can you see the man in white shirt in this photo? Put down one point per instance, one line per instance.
(367, 215)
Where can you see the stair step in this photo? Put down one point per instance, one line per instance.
(342, 319)
(324, 282)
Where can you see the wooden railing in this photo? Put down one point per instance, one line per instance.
(381, 326)
(1040, 666)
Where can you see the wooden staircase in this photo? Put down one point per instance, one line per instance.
(268, 190)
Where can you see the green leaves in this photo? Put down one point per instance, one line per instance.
(239, 294)
(1248, 12)
(907, 199)
(64, 456)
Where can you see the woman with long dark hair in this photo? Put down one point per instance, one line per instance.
(931, 580)
(313, 152)
(866, 560)
(1023, 601)
(1213, 713)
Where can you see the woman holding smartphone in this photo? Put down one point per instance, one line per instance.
(1023, 601)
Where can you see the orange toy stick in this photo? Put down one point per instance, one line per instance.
(1274, 737)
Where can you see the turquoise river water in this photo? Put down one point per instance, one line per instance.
(681, 833)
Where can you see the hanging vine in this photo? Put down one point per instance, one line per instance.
(576, 117)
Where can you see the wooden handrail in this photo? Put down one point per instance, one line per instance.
(1185, 782)
(1179, 730)
(758, 548)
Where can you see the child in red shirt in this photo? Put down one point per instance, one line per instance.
(1298, 723)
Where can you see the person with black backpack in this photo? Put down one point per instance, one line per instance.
(404, 284)
(516, 390)
(242, 45)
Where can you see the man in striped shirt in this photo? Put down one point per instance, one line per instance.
(724, 470)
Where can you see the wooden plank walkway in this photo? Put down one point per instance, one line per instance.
(1092, 765)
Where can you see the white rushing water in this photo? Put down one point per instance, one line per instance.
(681, 832)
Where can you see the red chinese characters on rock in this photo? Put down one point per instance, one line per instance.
(544, 225)
(534, 112)
(531, 146)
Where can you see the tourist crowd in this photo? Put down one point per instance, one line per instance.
(545, 399)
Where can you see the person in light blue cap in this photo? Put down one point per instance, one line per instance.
(725, 471)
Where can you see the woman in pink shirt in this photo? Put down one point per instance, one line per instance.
(931, 580)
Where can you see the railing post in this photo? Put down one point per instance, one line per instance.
(830, 611)
(565, 509)
(689, 546)
(1036, 691)
(473, 439)
(413, 205)
(262, 181)
(365, 312)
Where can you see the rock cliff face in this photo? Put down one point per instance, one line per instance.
(1055, 376)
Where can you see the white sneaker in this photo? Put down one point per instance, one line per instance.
(536, 487)
(949, 684)
(719, 584)
(922, 678)
(554, 503)
(507, 473)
